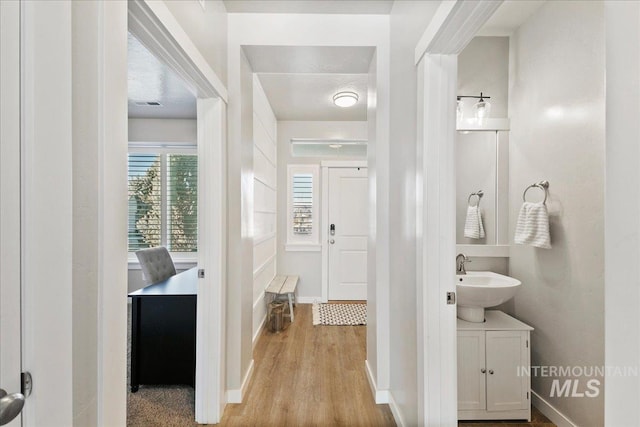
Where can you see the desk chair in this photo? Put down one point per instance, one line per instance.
(156, 264)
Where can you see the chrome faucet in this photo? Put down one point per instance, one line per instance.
(460, 260)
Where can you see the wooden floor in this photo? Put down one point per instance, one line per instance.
(309, 376)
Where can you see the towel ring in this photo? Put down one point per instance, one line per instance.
(478, 194)
(543, 185)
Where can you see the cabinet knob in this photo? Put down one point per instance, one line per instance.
(484, 371)
(490, 371)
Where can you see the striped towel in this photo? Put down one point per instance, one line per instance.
(473, 227)
(532, 227)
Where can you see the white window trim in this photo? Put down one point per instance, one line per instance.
(309, 242)
(180, 259)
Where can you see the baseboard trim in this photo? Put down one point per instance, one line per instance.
(235, 395)
(380, 396)
(259, 331)
(308, 300)
(549, 411)
(395, 411)
(258, 301)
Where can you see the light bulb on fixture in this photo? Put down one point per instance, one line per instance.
(345, 99)
(482, 108)
(459, 111)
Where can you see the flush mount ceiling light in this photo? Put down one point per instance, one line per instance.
(345, 99)
(482, 107)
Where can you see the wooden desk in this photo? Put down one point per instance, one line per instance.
(163, 332)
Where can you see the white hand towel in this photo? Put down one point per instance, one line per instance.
(473, 227)
(532, 227)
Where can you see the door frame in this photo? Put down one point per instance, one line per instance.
(325, 165)
(453, 26)
(10, 197)
(158, 30)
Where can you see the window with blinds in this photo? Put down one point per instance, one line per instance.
(303, 208)
(302, 203)
(163, 201)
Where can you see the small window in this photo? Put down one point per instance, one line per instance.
(330, 148)
(303, 208)
(302, 203)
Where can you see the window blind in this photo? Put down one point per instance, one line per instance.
(145, 201)
(182, 192)
(302, 203)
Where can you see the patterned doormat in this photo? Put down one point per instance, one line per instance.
(339, 314)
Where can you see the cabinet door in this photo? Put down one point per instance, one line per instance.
(471, 363)
(507, 362)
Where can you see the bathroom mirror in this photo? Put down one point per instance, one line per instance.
(482, 164)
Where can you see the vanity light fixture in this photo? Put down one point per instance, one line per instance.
(345, 99)
(482, 107)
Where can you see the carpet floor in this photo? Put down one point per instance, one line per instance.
(158, 406)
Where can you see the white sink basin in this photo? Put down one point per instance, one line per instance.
(477, 290)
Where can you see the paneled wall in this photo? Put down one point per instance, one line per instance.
(264, 201)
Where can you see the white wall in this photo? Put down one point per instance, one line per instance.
(307, 265)
(240, 221)
(483, 66)
(163, 130)
(622, 228)
(557, 108)
(265, 190)
(99, 208)
(206, 28)
(85, 220)
(408, 21)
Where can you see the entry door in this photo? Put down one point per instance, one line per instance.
(10, 342)
(348, 224)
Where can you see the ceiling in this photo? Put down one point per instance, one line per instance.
(300, 81)
(309, 59)
(510, 15)
(366, 7)
(152, 81)
(310, 96)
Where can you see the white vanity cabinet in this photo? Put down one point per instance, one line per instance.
(493, 368)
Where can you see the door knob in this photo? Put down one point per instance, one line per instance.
(332, 241)
(490, 371)
(10, 406)
(484, 371)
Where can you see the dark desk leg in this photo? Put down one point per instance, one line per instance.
(135, 310)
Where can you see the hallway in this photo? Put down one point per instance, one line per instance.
(309, 376)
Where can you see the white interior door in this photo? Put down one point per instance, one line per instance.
(348, 224)
(10, 341)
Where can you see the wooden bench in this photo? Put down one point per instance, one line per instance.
(283, 286)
